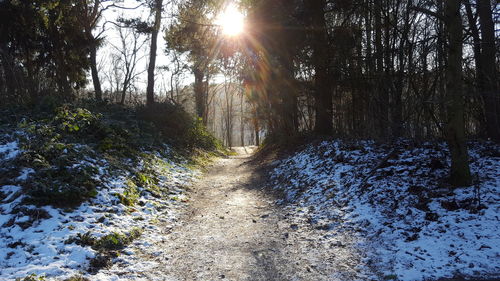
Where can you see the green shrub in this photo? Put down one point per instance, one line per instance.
(59, 136)
(77, 278)
(31, 277)
(199, 137)
(74, 119)
(116, 241)
(62, 185)
(130, 195)
(176, 124)
(86, 239)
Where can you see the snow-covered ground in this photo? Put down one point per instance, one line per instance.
(400, 221)
(37, 240)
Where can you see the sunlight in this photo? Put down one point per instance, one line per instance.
(231, 20)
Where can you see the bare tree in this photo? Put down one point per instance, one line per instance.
(129, 53)
(156, 9)
(455, 131)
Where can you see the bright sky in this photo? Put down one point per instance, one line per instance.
(112, 38)
(231, 20)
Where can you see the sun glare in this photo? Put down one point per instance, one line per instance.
(231, 21)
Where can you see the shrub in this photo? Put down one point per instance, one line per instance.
(31, 277)
(176, 124)
(116, 241)
(86, 239)
(74, 119)
(77, 278)
(130, 195)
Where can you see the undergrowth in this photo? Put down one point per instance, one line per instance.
(62, 143)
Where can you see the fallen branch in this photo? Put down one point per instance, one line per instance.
(382, 162)
(417, 256)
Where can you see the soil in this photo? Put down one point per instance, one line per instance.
(233, 230)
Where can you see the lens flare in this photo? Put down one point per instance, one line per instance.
(231, 21)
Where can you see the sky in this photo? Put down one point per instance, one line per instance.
(112, 38)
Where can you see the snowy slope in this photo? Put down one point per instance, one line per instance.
(402, 220)
(37, 240)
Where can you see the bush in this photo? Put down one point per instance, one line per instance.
(31, 277)
(177, 125)
(116, 241)
(77, 278)
(56, 143)
(130, 195)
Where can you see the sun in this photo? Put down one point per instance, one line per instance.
(231, 20)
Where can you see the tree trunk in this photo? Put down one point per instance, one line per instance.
(455, 131)
(150, 95)
(322, 86)
(199, 93)
(242, 122)
(382, 95)
(489, 84)
(95, 73)
(257, 135)
(123, 95)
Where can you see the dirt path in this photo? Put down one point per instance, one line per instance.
(233, 230)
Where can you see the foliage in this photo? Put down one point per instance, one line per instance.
(77, 278)
(63, 142)
(31, 277)
(46, 38)
(175, 123)
(130, 195)
(75, 119)
(116, 241)
(86, 239)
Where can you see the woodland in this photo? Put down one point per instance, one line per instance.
(112, 109)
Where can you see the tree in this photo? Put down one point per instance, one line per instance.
(156, 9)
(90, 12)
(488, 84)
(42, 43)
(321, 62)
(455, 131)
(194, 33)
(128, 57)
(273, 49)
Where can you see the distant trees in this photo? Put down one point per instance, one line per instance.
(42, 45)
(127, 58)
(377, 69)
(364, 68)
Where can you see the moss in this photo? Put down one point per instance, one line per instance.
(116, 241)
(86, 239)
(130, 195)
(201, 159)
(31, 277)
(77, 278)
(391, 277)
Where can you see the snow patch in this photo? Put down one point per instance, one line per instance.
(404, 219)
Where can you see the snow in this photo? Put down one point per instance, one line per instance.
(33, 240)
(403, 220)
(9, 150)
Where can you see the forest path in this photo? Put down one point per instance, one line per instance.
(234, 231)
(229, 232)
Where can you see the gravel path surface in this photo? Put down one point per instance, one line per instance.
(234, 231)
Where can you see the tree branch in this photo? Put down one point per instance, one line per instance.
(427, 12)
